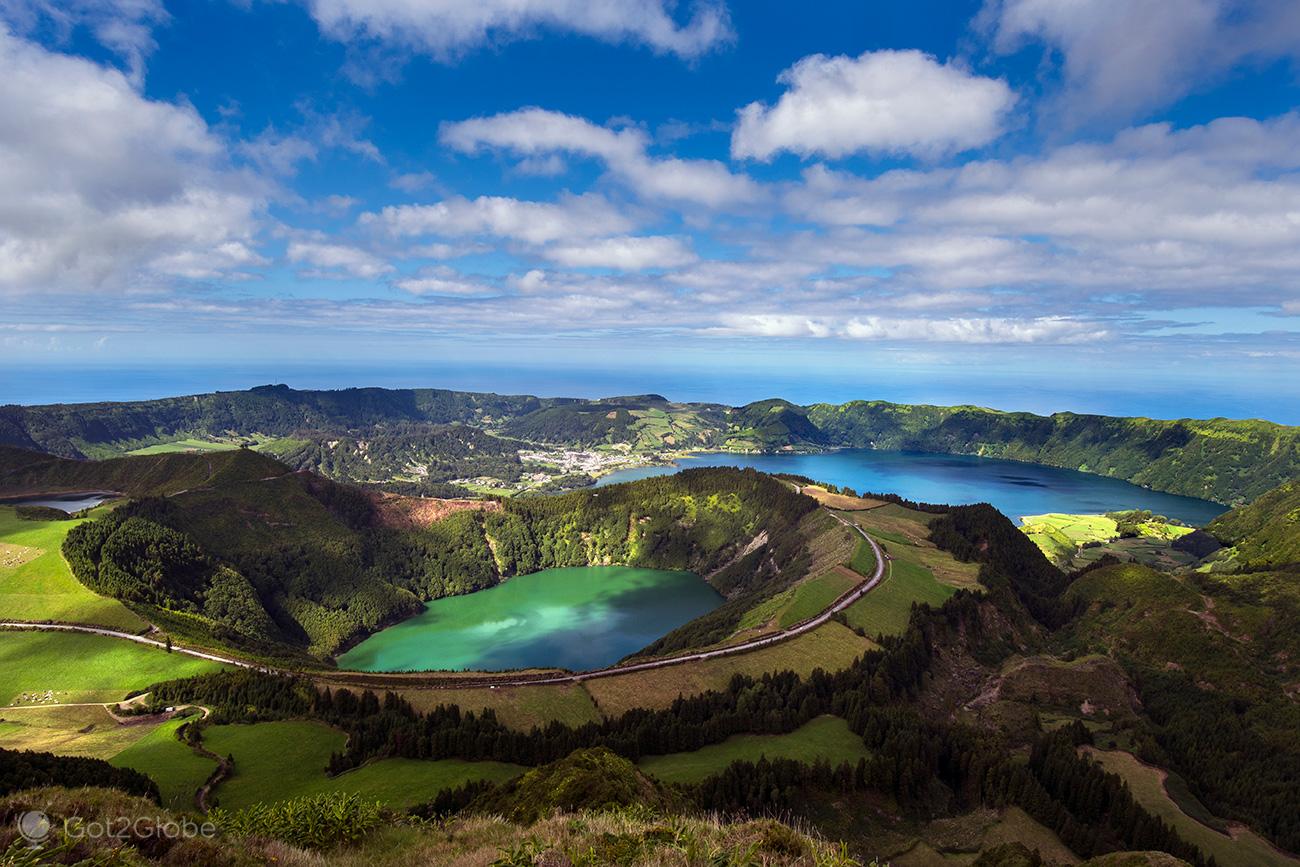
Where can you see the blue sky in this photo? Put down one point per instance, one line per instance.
(1031, 204)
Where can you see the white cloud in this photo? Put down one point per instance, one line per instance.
(586, 216)
(445, 29)
(412, 182)
(445, 282)
(532, 133)
(1051, 329)
(626, 253)
(103, 188)
(1155, 210)
(349, 260)
(125, 27)
(893, 102)
(1121, 58)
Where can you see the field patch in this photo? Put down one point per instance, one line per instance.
(815, 595)
(905, 535)
(826, 737)
(887, 609)
(831, 647)
(279, 760)
(1241, 848)
(185, 445)
(839, 501)
(177, 769)
(64, 667)
(87, 730)
(36, 583)
(519, 707)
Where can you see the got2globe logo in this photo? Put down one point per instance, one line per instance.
(34, 826)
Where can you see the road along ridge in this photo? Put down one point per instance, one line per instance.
(395, 680)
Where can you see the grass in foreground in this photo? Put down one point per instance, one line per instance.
(177, 769)
(80, 668)
(630, 836)
(36, 583)
(275, 761)
(826, 737)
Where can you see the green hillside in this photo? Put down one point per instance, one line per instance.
(1264, 534)
(402, 434)
(247, 554)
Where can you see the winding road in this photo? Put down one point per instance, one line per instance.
(397, 680)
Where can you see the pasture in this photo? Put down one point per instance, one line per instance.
(177, 769)
(64, 667)
(36, 583)
(831, 647)
(279, 760)
(826, 737)
(887, 609)
(1241, 848)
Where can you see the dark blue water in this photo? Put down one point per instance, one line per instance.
(63, 502)
(1015, 489)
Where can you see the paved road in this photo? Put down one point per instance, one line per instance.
(139, 639)
(394, 680)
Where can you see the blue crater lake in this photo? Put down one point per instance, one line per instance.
(577, 618)
(1013, 488)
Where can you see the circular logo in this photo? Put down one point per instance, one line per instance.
(34, 826)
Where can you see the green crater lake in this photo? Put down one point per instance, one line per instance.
(576, 618)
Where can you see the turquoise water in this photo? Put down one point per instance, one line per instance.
(1014, 488)
(576, 618)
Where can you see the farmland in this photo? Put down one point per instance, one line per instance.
(279, 760)
(826, 738)
(36, 583)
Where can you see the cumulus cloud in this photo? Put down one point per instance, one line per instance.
(625, 253)
(1208, 208)
(1121, 58)
(533, 133)
(892, 102)
(445, 29)
(586, 216)
(103, 188)
(340, 258)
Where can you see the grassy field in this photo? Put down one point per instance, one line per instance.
(815, 595)
(905, 534)
(886, 609)
(831, 647)
(73, 731)
(186, 445)
(827, 737)
(177, 769)
(1243, 849)
(79, 668)
(839, 501)
(36, 583)
(279, 760)
(519, 707)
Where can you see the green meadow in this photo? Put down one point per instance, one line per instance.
(185, 445)
(36, 583)
(826, 737)
(75, 667)
(887, 608)
(177, 769)
(815, 595)
(279, 760)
